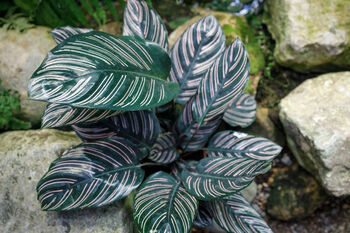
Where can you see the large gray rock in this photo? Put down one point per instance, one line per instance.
(25, 157)
(310, 34)
(20, 56)
(316, 119)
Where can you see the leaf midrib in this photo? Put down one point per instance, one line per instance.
(122, 72)
(195, 58)
(216, 177)
(231, 151)
(105, 173)
(171, 200)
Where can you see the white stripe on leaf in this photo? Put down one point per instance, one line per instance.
(91, 175)
(242, 111)
(61, 33)
(223, 82)
(141, 20)
(235, 214)
(164, 150)
(162, 204)
(140, 127)
(98, 70)
(218, 177)
(192, 135)
(240, 145)
(193, 54)
(57, 115)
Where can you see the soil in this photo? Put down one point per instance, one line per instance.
(332, 217)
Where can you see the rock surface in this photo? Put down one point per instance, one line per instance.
(20, 55)
(264, 127)
(294, 194)
(316, 120)
(25, 157)
(250, 192)
(310, 34)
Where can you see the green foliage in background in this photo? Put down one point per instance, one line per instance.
(264, 42)
(15, 21)
(248, 36)
(9, 106)
(55, 13)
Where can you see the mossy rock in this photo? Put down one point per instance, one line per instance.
(233, 26)
(310, 35)
(294, 194)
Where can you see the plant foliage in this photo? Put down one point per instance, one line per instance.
(105, 87)
(9, 109)
(57, 13)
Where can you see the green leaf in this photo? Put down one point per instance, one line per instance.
(91, 175)
(141, 20)
(193, 136)
(164, 150)
(46, 15)
(194, 53)
(234, 214)
(242, 146)
(99, 12)
(223, 82)
(27, 5)
(58, 115)
(162, 204)
(242, 111)
(140, 127)
(204, 216)
(234, 160)
(111, 7)
(218, 177)
(99, 70)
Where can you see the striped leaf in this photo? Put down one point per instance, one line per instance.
(57, 115)
(141, 20)
(241, 112)
(224, 81)
(193, 54)
(204, 216)
(140, 127)
(164, 150)
(234, 214)
(242, 146)
(218, 177)
(162, 204)
(91, 175)
(194, 136)
(99, 70)
(61, 33)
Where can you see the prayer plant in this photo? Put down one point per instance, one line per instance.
(111, 89)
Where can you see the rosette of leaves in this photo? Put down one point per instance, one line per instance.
(108, 89)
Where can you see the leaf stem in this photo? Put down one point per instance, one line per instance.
(150, 164)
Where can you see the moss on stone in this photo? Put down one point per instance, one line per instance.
(248, 37)
(294, 194)
(310, 35)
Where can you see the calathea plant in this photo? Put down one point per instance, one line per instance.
(117, 94)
